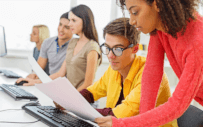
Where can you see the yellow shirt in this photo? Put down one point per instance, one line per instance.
(110, 85)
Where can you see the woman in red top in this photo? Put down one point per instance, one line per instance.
(176, 29)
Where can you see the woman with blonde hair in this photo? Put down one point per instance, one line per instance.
(38, 35)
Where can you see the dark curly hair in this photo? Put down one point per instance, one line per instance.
(174, 14)
(122, 27)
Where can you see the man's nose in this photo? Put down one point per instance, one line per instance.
(111, 55)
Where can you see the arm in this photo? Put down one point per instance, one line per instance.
(152, 74)
(89, 97)
(32, 78)
(32, 82)
(99, 88)
(42, 62)
(42, 59)
(185, 91)
(61, 72)
(92, 59)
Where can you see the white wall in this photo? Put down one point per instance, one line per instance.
(19, 16)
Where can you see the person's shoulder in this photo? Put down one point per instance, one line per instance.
(71, 43)
(93, 44)
(73, 40)
(35, 48)
(110, 72)
(140, 60)
(50, 40)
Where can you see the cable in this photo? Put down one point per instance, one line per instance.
(9, 109)
(19, 122)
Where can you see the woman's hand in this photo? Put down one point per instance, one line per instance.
(31, 82)
(32, 76)
(104, 121)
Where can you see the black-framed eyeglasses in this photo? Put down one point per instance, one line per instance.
(117, 51)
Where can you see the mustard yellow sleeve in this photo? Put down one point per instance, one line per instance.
(99, 88)
(164, 91)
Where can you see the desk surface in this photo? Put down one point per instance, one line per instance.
(7, 102)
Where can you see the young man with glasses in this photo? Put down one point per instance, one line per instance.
(121, 83)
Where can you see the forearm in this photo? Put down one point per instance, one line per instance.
(37, 81)
(87, 95)
(84, 85)
(106, 111)
(55, 75)
(152, 74)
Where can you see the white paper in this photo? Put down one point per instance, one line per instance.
(65, 94)
(38, 70)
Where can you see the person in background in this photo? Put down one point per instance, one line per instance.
(175, 28)
(53, 50)
(38, 35)
(83, 54)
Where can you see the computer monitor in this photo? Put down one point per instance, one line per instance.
(3, 50)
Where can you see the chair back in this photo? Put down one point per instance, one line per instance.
(193, 117)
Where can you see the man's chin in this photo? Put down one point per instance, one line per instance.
(114, 68)
(62, 38)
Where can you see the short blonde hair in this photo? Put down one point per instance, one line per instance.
(43, 32)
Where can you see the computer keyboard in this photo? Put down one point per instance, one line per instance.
(10, 74)
(17, 93)
(56, 118)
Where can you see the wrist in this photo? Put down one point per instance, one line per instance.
(38, 81)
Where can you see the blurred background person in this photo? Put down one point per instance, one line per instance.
(38, 35)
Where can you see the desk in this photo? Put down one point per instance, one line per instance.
(7, 102)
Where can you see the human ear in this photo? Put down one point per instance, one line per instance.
(135, 48)
(154, 4)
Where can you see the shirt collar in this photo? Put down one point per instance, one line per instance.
(135, 68)
(63, 44)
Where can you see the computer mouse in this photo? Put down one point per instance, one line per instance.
(31, 104)
(21, 83)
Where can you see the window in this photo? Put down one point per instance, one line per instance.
(18, 17)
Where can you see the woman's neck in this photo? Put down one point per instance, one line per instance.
(83, 38)
(38, 45)
(160, 26)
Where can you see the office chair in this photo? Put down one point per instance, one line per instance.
(193, 117)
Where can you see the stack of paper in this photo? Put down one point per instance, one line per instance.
(64, 93)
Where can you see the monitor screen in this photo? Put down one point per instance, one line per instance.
(3, 50)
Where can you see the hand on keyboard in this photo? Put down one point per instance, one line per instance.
(58, 106)
(31, 82)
